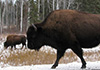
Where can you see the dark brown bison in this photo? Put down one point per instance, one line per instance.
(63, 29)
(13, 40)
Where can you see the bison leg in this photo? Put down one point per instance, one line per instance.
(25, 46)
(59, 55)
(15, 47)
(79, 52)
(22, 46)
(11, 48)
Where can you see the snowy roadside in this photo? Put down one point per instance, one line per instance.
(69, 66)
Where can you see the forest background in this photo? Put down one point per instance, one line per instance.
(17, 15)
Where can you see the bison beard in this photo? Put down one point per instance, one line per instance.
(63, 29)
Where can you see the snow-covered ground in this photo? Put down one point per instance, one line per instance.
(70, 66)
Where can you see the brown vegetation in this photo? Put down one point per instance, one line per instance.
(29, 57)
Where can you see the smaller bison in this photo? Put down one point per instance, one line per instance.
(13, 40)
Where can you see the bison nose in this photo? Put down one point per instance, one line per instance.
(30, 46)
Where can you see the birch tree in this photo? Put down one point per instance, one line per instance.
(69, 3)
(21, 22)
(53, 4)
(10, 13)
(6, 6)
(38, 8)
(14, 14)
(28, 18)
(78, 5)
(43, 8)
(57, 7)
(64, 4)
(48, 2)
(0, 19)
(16, 19)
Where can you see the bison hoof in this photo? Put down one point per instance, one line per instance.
(83, 67)
(53, 67)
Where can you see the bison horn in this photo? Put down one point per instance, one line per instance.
(34, 27)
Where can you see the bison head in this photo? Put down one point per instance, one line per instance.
(34, 37)
(5, 45)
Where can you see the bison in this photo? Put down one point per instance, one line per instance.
(13, 40)
(66, 29)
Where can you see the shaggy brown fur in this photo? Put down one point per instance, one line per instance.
(63, 29)
(13, 40)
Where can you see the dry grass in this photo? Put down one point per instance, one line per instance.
(92, 56)
(29, 57)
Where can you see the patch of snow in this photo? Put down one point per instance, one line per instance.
(48, 49)
(69, 66)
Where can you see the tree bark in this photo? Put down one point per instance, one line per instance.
(43, 8)
(21, 22)
(38, 8)
(0, 20)
(6, 5)
(64, 4)
(57, 7)
(53, 4)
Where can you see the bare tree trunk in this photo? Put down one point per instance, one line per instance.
(57, 7)
(53, 4)
(6, 5)
(69, 2)
(0, 20)
(21, 22)
(64, 4)
(38, 8)
(16, 16)
(78, 4)
(28, 12)
(43, 8)
(48, 5)
(12, 18)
